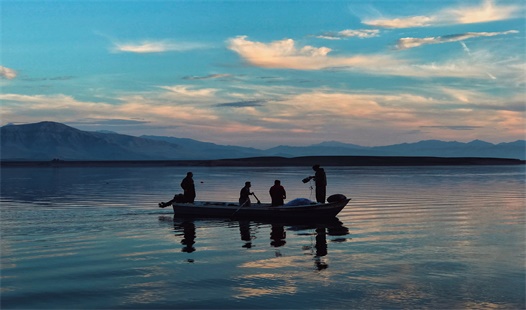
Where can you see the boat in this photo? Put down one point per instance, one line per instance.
(310, 210)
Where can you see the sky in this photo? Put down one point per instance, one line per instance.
(268, 73)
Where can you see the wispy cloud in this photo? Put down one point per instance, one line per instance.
(242, 104)
(349, 33)
(151, 46)
(465, 48)
(108, 122)
(208, 77)
(54, 78)
(406, 43)
(189, 91)
(7, 73)
(380, 116)
(284, 54)
(487, 11)
(453, 127)
(406, 22)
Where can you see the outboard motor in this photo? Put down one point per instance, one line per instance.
(336, 198)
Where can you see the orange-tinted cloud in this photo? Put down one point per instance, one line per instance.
(285, 54)
(487, 11)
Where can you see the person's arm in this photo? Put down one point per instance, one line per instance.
(307, 179)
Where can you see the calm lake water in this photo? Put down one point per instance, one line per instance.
(411, 238)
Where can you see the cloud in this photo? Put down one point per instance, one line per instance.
(242, 104)
(7, 73)
(110, 122)
(408, 22)
(285, 55)
(349, 33)
(54, 78)
(487, 11)
(153, 107)
(208, 77)
(465, 48)
(161, 46)
(407, 43)
(293, 115)
(189, 91)
(453, 127)
(381, 117)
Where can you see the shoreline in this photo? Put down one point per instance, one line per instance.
(276, 162)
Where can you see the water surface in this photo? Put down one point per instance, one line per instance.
(412, 237)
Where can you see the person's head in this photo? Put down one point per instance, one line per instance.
(315, 167)
(189, 174)
(277, 182)
(247, 184)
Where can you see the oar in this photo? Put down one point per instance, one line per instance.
(259, 202)
(241, 206)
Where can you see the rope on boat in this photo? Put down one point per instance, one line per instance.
(311, 187)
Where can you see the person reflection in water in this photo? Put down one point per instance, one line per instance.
(277, 194)
(244, 230)
(321, 248)
(188, 237)
(277, 235)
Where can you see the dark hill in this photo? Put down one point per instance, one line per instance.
(46, 141)
(50, 140)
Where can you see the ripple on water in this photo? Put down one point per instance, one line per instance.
(411, 237)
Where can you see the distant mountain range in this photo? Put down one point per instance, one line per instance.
(50, 140)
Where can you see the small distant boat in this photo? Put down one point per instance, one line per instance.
(310, 210)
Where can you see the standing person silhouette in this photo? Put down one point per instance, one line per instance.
(188, 188)
(320, 179)
(277, 194)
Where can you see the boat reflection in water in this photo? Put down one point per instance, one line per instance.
(185, 229)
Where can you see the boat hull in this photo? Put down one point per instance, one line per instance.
(232, 210)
